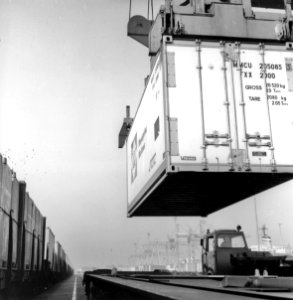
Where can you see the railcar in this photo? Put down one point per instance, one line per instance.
(28, 259)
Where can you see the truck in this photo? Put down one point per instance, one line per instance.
(226, 252)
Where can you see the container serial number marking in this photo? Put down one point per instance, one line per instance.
(270, 66)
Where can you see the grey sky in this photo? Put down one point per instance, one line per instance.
(67, 71)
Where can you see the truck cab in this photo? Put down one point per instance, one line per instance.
(218, 249)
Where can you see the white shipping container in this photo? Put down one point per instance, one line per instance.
(211, 113)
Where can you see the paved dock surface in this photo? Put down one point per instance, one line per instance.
(69, 289)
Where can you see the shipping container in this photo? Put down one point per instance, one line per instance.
(15, 223)
(214, 126)
(21, 228)
(6, 184)
(57, 257)
(37, 224)
(5, 208)
(38, 240)
(49, 248)
(28, 232)
(41, 254)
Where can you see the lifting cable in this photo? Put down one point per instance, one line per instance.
(130, 1)
(150, 4)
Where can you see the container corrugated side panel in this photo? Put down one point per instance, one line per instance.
(41, 243)
(33, 217)
(5, 207)
(28, 212)
(21, 227)
(36, 253)
(1, 221)
(4, 239)
(58, 253)
(51, 246)
(1, 167)
(28, 232)
(28, 250)
(6, 186)
(14, 244)
(146, 141)
(15, 199)
(15, 215)
(37, 231)
(50, 242)
(34, 231)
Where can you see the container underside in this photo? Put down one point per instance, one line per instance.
(200, 194)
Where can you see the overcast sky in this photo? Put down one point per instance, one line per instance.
(67, 71)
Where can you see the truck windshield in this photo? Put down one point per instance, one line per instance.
(230, 241)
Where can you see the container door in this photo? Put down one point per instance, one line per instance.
(199, 105)
(251, 86)
(213, 85)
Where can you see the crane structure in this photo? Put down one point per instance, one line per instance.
(213, 19)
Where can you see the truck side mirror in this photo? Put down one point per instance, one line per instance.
(201, 242)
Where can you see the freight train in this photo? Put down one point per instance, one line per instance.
(30, 258)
